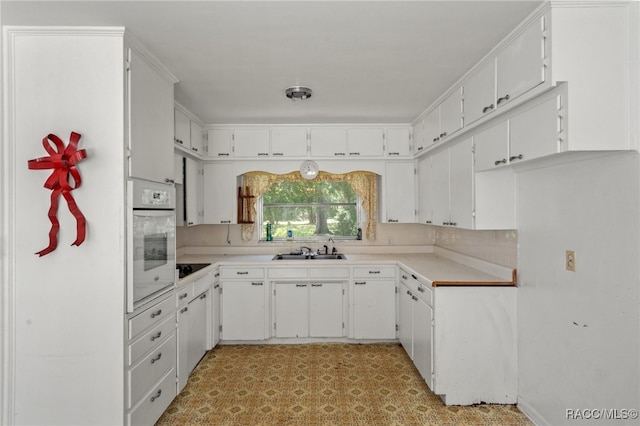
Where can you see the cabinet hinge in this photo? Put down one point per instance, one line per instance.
(274, 325)
(397, 328)
(343, 291)
(127, 65)
(396, 290)
(274, 291)
(220, 289)
(343, 324)
(220, 328)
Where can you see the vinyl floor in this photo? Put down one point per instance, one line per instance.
(319, 384)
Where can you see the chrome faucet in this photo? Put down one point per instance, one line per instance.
(309, 250)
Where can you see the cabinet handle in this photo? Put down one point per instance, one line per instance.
(225, 221)
(157, 358)
(404, 277)
(157, 395)
(487, 108)
(421, 290)
(169, 180)
(443, 134)
(256, 283)
(182, 296)
(427, 221)
(504, 98)
(204, 296)
(414, 277)
(183, 310)
(156, 313)
(420, 148)
(436, 139)
(223, 154)
(503, 161)
(301, 285)
(408, 292)
(453, 223)
(414, 298)
(374, 272)
(445, 223)
(316, 285)
(394, 153)
(194, 149)
(156, 278)
(392, 220)
(242, 273)
(278, 153)
(354, 153)
(360, 282)
(516, 157)
(263, 154)
(156, 336)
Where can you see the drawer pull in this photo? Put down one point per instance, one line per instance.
(156, 336)
(404, 277)
(183, 295)
(360, 282)
(156, 313)
(504, 98)
(414, 277)
(374, 272)
(157, 395)
(487, 109)
(204, 296)
(157, 358)
(516, 157)
(498, 162)
(316, 285)
(256, 283)
(420, 289)
(414, 298)
(301, 285)
(183, 310)
(242, 273)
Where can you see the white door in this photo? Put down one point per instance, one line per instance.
(432, 127)
(405, 319)
(425, 196)
(192, 191)
(252, 143)
(328, 143)
(461, 184)
(291, 302)
(419, 142)
(491, 147)
(326, 310)
(219, 193)
(398, 142)
(451, 114)
(289, 142)
(220, 143)
(423, 340)
(243, 310)
(480, 93)
(215, 314)
(440, 187)
(365, 142)
(196, 138)
(183, 346)
(534, 132)
(197, 329)
(374, 309)
(182, 129)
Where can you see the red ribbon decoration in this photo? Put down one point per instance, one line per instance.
(62, 160)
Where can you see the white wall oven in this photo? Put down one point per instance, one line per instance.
(151, 241)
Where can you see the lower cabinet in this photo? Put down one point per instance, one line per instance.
(308, 309)
(215, 309)
(151, 360)
(244, 310)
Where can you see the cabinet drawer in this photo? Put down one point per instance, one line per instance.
(152, 316)
(184, 293)
(155, 402)
(425, 293)
(287, 272)
(151, 339)
(374, 272)
(202, 284)
(330, 272)
(242, 273)
(151, 369)
(420, 286)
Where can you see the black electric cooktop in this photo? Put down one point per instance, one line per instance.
(185, 269)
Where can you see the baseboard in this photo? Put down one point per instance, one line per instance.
(531, 413)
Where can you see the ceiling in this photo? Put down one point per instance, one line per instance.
(366, 61)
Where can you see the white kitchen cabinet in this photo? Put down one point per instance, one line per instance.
(326, 309)
(178, 169)
(451, 114)
(367, 142)
(251, 143)
(244, 310)
(198, 329)
(398, 142)
(289, 142)
(182, 128)
(440, 187)
(425, 192)
(399, 192)
(431, 127)
(491, 147)
(521, 64)
(193, 192)
(182, 330)
(405, 318)
(197, 138)
(419, 138)
(480, 93)
(326, 142)
(291, 309)
(373, 305)
(215, 309)
(219, 193)
(150, 108)
(220, 143)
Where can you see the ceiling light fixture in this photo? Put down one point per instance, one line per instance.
(298, 93)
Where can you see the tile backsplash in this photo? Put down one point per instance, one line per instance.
(499, 247)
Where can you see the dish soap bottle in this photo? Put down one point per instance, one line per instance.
(269, 232)
(290, 235)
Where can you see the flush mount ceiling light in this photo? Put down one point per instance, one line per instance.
(298, 93)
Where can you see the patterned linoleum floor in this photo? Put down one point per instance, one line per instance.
(319, 384)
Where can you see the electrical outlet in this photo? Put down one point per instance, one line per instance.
(570, 260)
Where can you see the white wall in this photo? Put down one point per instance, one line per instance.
(64, 311)
(579, 332)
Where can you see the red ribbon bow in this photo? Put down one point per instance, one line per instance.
(62, 160)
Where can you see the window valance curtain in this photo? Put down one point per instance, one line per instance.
(363, 183)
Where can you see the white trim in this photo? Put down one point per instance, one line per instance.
(531, 413)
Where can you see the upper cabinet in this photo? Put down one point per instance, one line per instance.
(326, 142)
(446, 119)
(251, 143)
(150, 110)
(289, 142)
(368, 142)
(188, 133)
(399, 193)
(398, 142)
(480, 93)
(220, 143)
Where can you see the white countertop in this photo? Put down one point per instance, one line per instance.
(442, 267)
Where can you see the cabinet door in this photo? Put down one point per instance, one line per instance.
(419, 139)
(196, 134)
(219, 193)
(491, 147)
(251, 143)
(197, 330)
(440, 187)
(405, 319)
(461, 184)
(151, 121)
(326, 309)
(182, 129)
(374, 309)
(291, 306)
(192, 191)
(480, 93)
(423, 340)
(328, 143)
(451, 114)
(365, 142)
(425, 196)
(398, 142)
(520, 66)
(432, 127)
(178, 169)
(243, 310)
(183, 347)
(400, 192)
(215, 311)
(289, 142)
(219, 143)
(534, 132)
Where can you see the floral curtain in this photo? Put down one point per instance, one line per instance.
(363, 183)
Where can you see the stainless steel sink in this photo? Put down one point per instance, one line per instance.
(337, 256)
